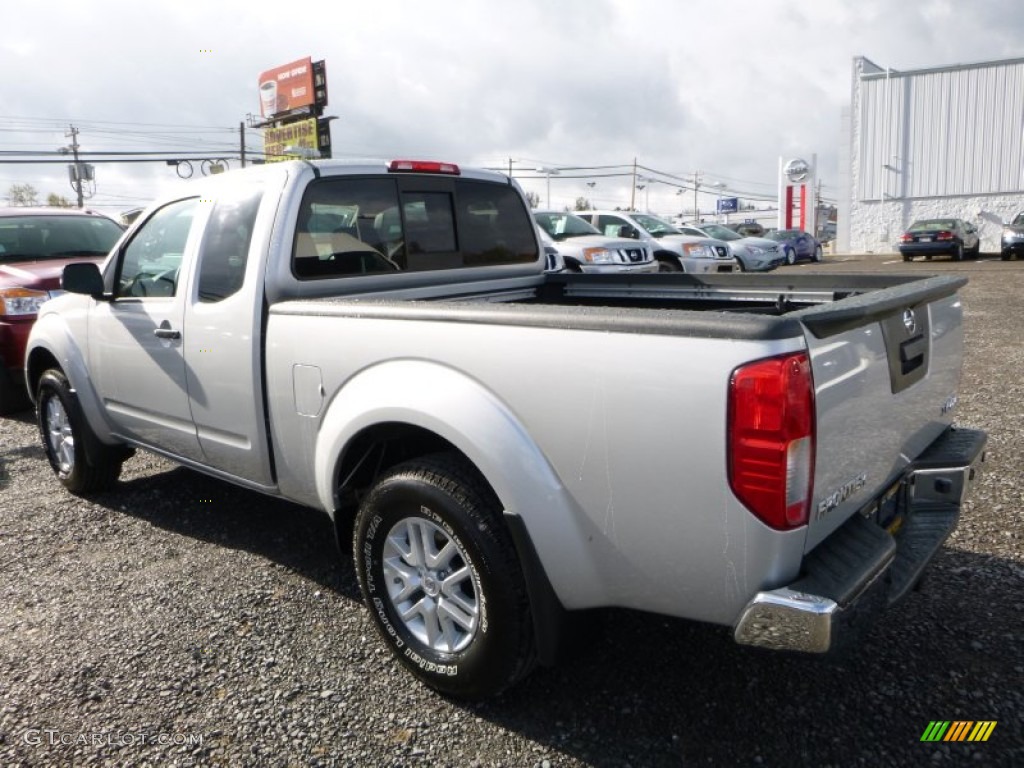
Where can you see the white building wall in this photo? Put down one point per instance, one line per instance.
(930, 143)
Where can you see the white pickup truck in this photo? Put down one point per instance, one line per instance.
(379, 341)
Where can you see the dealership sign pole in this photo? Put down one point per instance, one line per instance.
(797, 189)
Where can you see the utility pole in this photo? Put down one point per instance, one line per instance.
(696, 186)
(73, 133)
(632, 196)
(241, 141)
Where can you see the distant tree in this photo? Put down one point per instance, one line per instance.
(582, 204)
(533, 199)
(22, 194)
(57, 201)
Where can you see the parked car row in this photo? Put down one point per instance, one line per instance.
(754, 254)
(35, 244)
(578, 246)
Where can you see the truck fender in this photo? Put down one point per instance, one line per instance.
(474, 420)
(52, 339)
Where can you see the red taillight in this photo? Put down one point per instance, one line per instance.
(423, 166)
(771, 438)
(945, 236)
(906, 238)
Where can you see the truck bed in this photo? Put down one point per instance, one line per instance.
(743, 306)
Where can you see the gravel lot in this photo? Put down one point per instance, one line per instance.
(181, 621)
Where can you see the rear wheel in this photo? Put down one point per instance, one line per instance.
(907, 257)
(958, 254)
(65, 432)
(1005, 256)
(817, 253)
(441, 578)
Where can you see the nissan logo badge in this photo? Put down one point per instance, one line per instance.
(796, 169)
(909, 321)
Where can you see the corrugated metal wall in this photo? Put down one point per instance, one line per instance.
(951, 131)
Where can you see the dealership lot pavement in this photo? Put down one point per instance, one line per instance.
(181, 621)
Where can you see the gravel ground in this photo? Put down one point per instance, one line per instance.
(181, 621)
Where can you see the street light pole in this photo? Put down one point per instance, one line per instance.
(549, 172)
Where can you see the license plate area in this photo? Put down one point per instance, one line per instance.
(888, 509)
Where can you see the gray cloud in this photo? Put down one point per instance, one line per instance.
(721, 87)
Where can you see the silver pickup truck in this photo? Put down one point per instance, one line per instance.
(379, 341)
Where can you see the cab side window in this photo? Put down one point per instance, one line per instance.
(151, 261)
(349, 227)
(225, 248)
(494, 225)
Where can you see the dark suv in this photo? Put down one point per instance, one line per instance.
(35, 244)
(1013, 238)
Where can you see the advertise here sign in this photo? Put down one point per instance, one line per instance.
(278, 141)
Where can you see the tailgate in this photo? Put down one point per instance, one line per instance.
(886, 368)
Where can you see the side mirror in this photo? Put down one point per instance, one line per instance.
(83, 277)
(628, 232)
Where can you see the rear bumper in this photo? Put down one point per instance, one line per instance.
(861, 569)
(936, 248)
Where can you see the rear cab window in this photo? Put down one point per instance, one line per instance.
(351, 226)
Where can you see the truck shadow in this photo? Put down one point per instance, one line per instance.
(645, 690)
(192, 504)
(656, 691)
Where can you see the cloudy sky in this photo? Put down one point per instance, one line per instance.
(722, 87)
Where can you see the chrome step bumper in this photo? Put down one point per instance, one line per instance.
(861, 568)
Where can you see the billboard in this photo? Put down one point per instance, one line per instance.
(728, 204)
(302, 133)
(285, 88)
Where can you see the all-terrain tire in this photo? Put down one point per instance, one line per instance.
(441, 578)
(81, 462)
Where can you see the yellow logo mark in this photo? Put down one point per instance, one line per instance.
(959, 730)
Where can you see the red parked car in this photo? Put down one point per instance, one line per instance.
(35, 244)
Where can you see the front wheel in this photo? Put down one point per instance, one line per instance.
(669, 265)
(790, 256)
(441, 579)
(64, 432)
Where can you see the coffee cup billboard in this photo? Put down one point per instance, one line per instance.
(287, 87)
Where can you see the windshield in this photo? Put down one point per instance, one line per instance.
(722, 233)
(560, 226)
(782, 234)
(56, 237)
(928, 224)
(1018, 221)
(654, 225)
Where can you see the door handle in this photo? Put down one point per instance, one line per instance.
(167, 333)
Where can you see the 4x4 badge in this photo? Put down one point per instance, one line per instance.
(909, 321)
